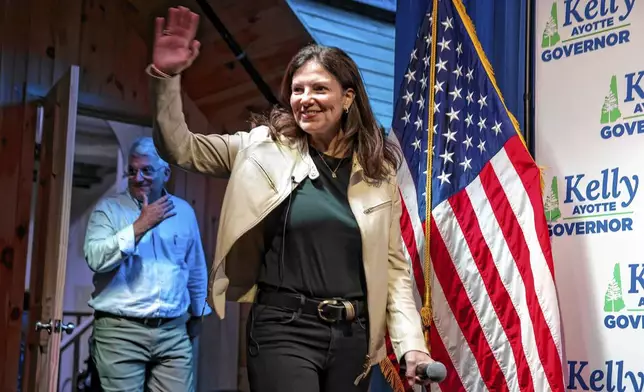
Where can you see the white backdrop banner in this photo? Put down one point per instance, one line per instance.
(590, 139)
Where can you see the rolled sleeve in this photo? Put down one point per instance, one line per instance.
(126, 240)
(106, 246)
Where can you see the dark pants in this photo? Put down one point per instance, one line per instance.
(291, 352)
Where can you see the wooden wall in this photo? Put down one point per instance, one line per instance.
(109, 40)
(16, 176)
(268, 33)
(218, 345)
(39, 40)
(368, 41)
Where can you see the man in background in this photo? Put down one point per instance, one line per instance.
(150, 278)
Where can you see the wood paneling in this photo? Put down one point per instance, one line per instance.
(110, 42)
(51, 232)
(269, 34)
(16, 173)
(369, 42)
(218, 344)
(102, 37)
(17, 131)
(39, 40)
(110, 39)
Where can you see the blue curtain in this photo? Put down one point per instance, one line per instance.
(501, 28)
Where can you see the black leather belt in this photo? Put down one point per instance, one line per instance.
(153, 322)
(329, 310)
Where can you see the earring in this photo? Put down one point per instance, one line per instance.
(346, 110)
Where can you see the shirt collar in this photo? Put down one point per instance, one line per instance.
(139, 204)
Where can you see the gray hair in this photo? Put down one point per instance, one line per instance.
(144, 147)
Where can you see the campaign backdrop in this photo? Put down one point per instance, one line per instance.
(589, 139)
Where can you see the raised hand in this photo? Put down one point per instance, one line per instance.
(152, 214)
(175, 47)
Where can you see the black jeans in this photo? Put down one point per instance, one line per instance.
(290, 352)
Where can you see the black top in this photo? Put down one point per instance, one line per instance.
(322, 246)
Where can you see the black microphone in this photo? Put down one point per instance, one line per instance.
(434, 372)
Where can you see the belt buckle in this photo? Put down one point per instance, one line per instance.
(321, 305)
(350, 310)
(156, 324)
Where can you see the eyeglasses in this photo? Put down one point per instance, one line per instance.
(146, 172)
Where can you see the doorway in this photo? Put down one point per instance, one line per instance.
(58, 164)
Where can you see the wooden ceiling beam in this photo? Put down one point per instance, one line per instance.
(227, 75)
(268, 33)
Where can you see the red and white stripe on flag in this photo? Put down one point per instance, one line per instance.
(495, 313)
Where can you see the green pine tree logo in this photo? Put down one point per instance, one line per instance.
(551, 31)
(551, 203)
(613, 300)
(610, 108)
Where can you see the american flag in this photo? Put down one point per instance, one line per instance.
(495, 315)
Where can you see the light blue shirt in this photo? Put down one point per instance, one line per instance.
(164, 275)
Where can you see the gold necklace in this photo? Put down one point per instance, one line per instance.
(327, 166)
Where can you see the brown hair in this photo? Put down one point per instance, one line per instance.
(378, 157)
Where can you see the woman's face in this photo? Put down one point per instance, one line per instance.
(318, 100)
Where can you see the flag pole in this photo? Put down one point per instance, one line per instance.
(528, 100)
(426, 311)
